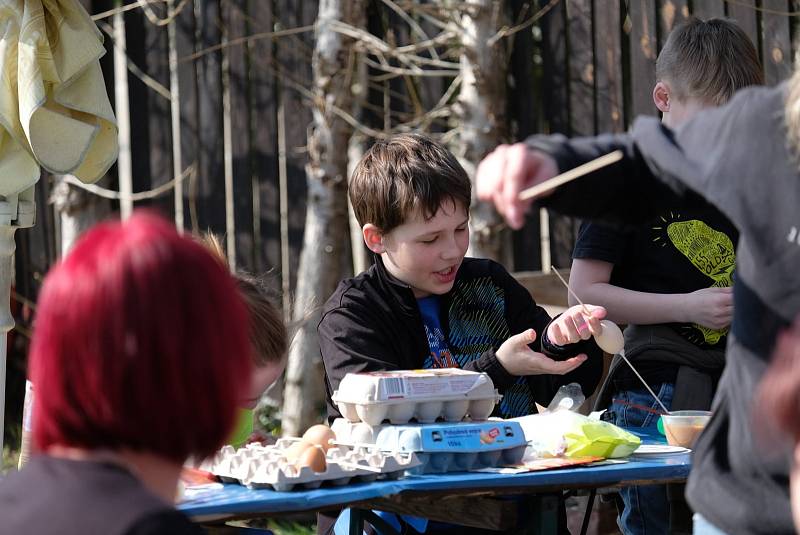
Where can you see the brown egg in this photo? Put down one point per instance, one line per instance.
(294, 451)
(319, 435)
(314, 458)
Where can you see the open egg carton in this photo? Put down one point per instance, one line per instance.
(443, 446)
(258, 466)
(425, 395)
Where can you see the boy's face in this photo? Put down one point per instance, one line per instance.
(261, 379)
(425, 254)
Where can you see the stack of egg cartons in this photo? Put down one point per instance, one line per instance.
(450, 407)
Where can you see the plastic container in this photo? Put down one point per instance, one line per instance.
(266, 466)
(425, 395)
(442, 447)
(683, 427)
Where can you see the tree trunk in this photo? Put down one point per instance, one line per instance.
(481, 110)
(325, 238)
(77, 210)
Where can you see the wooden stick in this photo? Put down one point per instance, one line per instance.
(578, 299)
(621, 354)
(572, 174)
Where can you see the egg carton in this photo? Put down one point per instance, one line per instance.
(442, 447)
(425, 395)
(258, 466)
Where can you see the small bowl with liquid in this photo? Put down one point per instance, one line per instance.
(683, 427)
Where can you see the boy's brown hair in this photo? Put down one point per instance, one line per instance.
(708, 60)
(268, 333)
(405, 173)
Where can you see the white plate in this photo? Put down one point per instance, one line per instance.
(660, 449)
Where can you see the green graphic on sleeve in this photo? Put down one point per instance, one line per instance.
(712, 253)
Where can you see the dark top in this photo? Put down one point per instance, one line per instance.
(685, 248)
(65, 497)
(737, 157)
(372, 322)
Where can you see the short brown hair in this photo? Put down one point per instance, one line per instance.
(708, 60)
(268, 334)
(405, 173)
(267, 329)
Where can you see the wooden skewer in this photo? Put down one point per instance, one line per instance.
(572, 174)
(621, 354)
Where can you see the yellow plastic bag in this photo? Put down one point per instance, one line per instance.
(586, 437)
(569, 434)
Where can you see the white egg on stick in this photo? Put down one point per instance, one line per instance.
(611, 340)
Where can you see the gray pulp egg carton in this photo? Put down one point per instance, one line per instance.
(258, 466)
(426, 395)
(443, 446)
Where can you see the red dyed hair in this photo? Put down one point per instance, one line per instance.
(778, 395)
(140, 342)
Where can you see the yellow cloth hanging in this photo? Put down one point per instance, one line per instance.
(54, 110)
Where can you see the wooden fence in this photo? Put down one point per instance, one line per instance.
(587, 66)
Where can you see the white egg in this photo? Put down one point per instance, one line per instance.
(610, 338)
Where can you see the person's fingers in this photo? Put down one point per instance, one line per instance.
(523, 339)
(556, 334)
(570, 329)
(489, 174)
(519, 167)
(582, 326)
(565, 366)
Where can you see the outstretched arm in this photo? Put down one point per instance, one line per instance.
(590, 280)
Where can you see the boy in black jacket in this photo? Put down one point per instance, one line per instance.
(423, 305)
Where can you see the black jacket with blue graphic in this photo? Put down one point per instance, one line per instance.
(372, 323)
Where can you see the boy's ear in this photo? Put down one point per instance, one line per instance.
(373, 237)
(661, 97)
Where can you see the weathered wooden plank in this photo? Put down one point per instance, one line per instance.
(581, 68)
(474, 511)
(556, 92)
(159, 133)
(706, 9)
(137, 39)
(235, 17)
(670, 13)
(523, 114)
(554, 65)
(609, 111)
(294, 55)
(745, 14)
(211, 186)
(263, 128)
(185, 29)
(776, 45)
(643, 53)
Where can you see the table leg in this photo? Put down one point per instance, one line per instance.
(356, 521)
(544, 515)
(587, 515)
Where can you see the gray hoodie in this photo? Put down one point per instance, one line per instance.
(735, 156)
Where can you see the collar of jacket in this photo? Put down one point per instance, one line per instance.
(399, 290)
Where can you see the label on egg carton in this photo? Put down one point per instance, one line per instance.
(426, 395)
(258, 466)
(443, 447)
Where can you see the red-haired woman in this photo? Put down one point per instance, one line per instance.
(140, 346)
(778, 404)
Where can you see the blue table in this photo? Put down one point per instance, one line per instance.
(407, 495)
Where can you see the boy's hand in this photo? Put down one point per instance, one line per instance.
(508, 170)
(519, 359)
(575, 324)
(710, 307)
